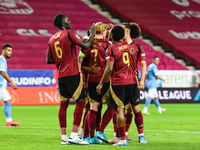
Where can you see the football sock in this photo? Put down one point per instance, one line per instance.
(84, 119)
(7, 111)
(121, 132)
(73, 134)
(63, 130)
(98, 117)
(147, 102)
(106, 118)
(62, 114)
(86, 128)
(78, 112)
(157, 103)
(92, 122)
(139, 122)
(64, 137)
(114, 123)
(129, 118)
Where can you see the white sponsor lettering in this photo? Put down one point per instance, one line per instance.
(50, 97)
(184, 3)
(15, 7)
(31, 32)
(170, 95)
(182, 14)
(143, 54)
(186, 34)
(32, 80)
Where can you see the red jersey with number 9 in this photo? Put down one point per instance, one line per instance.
(62, 46)
(119, 54)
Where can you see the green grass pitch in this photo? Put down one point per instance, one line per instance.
(176, 129)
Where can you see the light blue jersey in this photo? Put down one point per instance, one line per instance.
(3, 67)
(152, 81)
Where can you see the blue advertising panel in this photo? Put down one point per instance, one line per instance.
(33, 78)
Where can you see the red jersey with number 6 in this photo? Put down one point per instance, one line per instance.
(62, 46)
(119, 54)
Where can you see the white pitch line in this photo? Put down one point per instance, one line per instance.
(189, 132)
(173, 131)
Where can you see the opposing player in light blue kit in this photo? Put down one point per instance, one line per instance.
(4, 95)
(152, 82)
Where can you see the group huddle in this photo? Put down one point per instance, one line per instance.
(104, 71)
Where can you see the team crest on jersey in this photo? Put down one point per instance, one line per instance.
(2, 64)
(132, 50)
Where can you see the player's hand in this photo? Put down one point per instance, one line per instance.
(98, 88)
(95, 69)
(93, 29)
(14, 85)
(141, 85)
(95, 41)
(111, 25)
(163, 80)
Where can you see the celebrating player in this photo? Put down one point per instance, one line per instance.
(121, 80)
(62, 52)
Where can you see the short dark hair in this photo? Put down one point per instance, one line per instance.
(135, 31)
(6, 46)
(155, 57)
(57, 21)
(117, 33)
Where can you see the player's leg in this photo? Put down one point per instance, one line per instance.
(148, 102)
(139, 123)
(73, 86)
(157, 103)
(95, 100)
(119, 99)
(5, 97)
(62, 120)
(129, 117)
(64, 102)
(87, 108)
(107, 115)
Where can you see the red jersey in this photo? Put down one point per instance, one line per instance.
(136, 54)
(62, 46)
(96, 54)
(119, 54)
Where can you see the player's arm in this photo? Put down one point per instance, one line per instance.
(86, 44)
(158, 77)
(143, 74)
(92, 69)
(6, 76)
(49, 58)
(106, 75)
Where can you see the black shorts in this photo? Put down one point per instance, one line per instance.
(135, 100)
(94, 96)
(71, 87)
(120, 96)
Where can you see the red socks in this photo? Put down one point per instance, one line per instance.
(92, 122)
(62, 114)
(106, 118)
(121, 132)
(139, 122)
(129, 118)
(78, 112)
